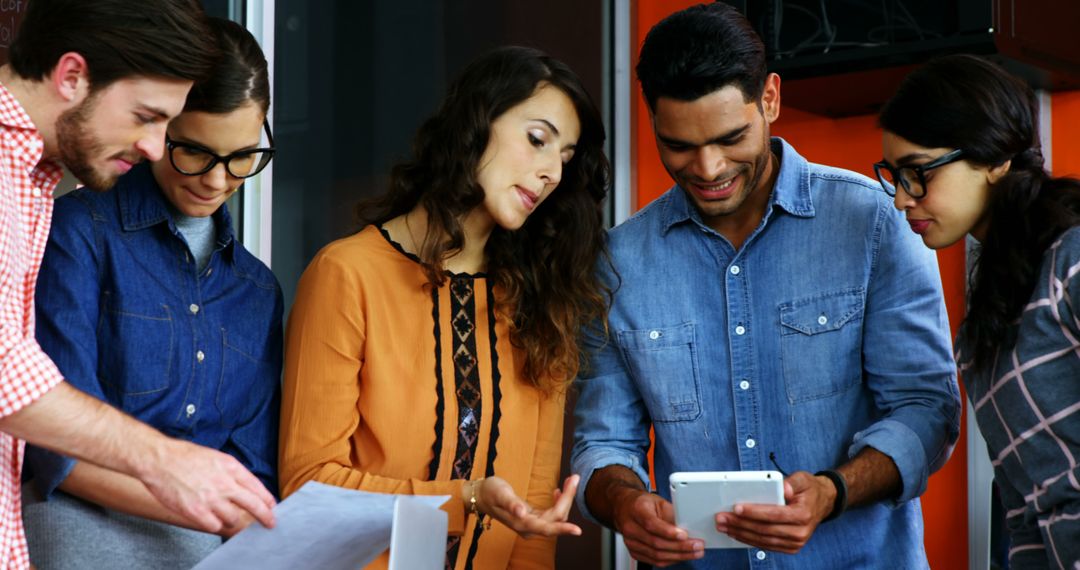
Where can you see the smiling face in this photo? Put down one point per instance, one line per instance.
(115, 128)
(957, 194)
(223, 134)
(716, 148)
(526, 151)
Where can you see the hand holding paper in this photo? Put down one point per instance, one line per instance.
(327, 527)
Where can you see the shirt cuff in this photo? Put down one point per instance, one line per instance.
(904, 447)
(588, 462)
(26, 373)
(47, 470)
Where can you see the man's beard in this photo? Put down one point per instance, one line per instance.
(78, 146)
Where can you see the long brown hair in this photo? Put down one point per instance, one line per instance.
(544, 272)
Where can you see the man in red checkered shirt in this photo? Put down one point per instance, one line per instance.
(92, 85)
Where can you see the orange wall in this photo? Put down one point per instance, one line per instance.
(1065, 133)
(853, 143)
(650, 179)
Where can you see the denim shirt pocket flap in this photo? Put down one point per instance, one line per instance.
(135, 353)
(821, 344)
(663, 363)
(658, 338)
(821, 313)
(248, 380)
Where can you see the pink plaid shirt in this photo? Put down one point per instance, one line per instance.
(26, 372)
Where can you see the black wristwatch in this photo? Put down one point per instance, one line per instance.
(840, 505)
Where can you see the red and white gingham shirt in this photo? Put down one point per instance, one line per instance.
(26, 372)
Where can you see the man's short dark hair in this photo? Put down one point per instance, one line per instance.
(700, 50)
(119, 39)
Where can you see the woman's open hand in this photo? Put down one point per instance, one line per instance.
(496, 498)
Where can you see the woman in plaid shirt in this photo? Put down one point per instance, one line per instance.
(961, 143)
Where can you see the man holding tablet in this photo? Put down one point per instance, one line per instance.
(768, 314)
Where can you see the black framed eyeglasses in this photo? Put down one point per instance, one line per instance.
(911, 178)
(194, 160)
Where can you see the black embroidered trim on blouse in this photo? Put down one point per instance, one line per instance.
(496, 414)
(466, 387)
(496, 393)
(440, 405)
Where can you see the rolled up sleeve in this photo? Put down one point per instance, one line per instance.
(908, 362)
(611, 421)
(26, 371)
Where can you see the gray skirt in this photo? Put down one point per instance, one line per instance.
(67, 533)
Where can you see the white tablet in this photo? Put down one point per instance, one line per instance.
(699, 495)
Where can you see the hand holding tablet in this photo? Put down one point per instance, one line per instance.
(698, 496)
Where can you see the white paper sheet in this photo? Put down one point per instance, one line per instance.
(319, 526)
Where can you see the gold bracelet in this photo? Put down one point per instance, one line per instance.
(474, 508)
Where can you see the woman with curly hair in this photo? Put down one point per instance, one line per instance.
(962, 156)
(430, 353)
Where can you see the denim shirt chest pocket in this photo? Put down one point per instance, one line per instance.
(663, 363)
(248, 378)
(821, 343)
(135, 351)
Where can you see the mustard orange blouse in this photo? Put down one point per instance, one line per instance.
(394, 387)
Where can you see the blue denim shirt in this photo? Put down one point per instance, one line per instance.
(125, 316)
(824, 334)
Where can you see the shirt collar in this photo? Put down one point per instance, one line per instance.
(790, 193)
(792, 190)
(14, 116)
(12, 113)
(142, 205)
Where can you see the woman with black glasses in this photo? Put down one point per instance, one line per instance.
(147, 301)
(962, 151)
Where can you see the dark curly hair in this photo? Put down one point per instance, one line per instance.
(965, 102)
(544, 272)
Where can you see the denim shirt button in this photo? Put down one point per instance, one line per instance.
(190, 409)
(740, 330)
(760, 555)
(654, 335)
(744, 385)
(822, 320)
(193, 308)
(751, 443)
(200, 356)
(735, 270)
